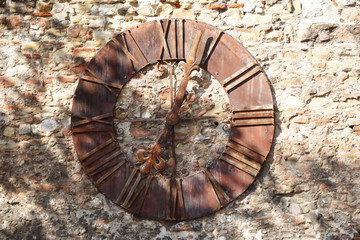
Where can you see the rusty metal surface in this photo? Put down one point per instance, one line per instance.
(141, 190)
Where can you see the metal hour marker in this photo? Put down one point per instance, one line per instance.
(211, 47)
(253, 116)
(243, 158)
(164, 30)
(221, 195)
(96, 119)
(97, 80)
(174, 200)
(241, 76)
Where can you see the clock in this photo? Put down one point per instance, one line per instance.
(172, 119)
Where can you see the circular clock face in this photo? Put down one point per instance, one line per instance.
(172, 119)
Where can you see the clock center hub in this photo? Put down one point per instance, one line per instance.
(172, 118)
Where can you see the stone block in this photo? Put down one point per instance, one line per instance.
(164, 10)
(232, 16)
(182, 13)
(45, 128)
(322, 54)
(30, 46)
(82, 9)
(275, 36)
(18, 7)
(97, 23)
(56, 32)
(256, 19)
(43, 6)
(74, 31)
(24, 129)
(248, 34)
(351, 14)
(107, 10)
(6, 82)
(9, 132)
(146, 11)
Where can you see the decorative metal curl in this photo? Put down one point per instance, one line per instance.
(160, 66)
(120, 131)
(226, 106)
(183, 173)
(226, 127)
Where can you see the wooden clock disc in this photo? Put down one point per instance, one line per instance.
(155, 196)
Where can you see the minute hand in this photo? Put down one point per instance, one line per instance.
(189, 67)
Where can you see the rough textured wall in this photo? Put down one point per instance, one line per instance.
(310, 185)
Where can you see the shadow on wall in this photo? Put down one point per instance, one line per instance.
(44, 192)
(40, 180)
(42, 183)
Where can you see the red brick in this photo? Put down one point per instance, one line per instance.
(80, 68)
(343, 34)
(6, 82)
(83, 52)
(217, 7)
(42, 14)
(321, 120)
(236, 5)
(84, 31)
(74, 31)
(67, 79)
(43, 22)
(88, 37)
(45, 187)
(138, 132)
(48, 81)
(301, 120)
(14, 22)
(11, 105)
(63, 187)
(36, 56)
(294, 55)
(357, 129)
(33, 82)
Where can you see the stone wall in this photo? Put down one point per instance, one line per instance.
(310, 185)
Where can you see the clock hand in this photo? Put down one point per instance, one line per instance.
(190, 66)
(152, 157)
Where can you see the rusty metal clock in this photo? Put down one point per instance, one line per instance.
(140, 167)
